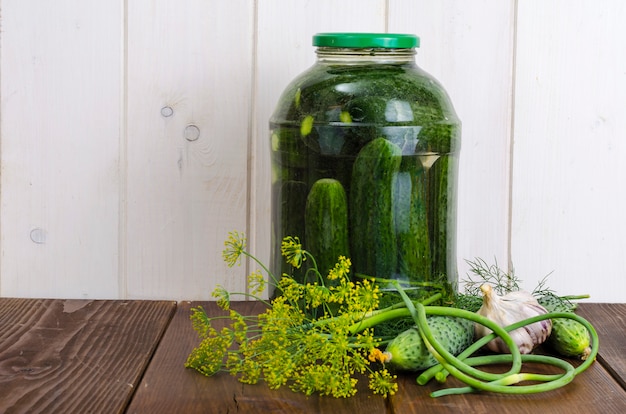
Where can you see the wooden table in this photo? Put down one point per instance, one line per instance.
(80, 356)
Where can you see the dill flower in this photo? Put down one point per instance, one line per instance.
(200, 322)
(234, 247)
(256, 282)
(293, 252)
(208, 356)
(290, 289)
(316, 295)
(383, 383)
(223, 297)
(343, 291)
(239, 326)
(341, 269)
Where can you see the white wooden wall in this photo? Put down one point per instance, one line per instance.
(133, 135)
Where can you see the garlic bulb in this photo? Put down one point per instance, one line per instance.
(508, 309)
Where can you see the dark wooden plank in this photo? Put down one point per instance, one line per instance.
(168, 387)
(75, 355)
(609, 319)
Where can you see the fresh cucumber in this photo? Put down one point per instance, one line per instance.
(326, 223)
(373, 245)
(438, 214)
(411, 221)
(409, 353)
(569, 337)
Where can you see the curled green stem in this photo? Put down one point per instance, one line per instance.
(440, 373)
(442, 354)
(398, 310)
(502, 385)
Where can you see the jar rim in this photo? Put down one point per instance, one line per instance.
(367, 40)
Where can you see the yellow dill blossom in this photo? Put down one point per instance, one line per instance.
(293, 252)
(256, 282)
(291, 290)
(343, 292)
(239, 327)
(234, 247)
(341, 269)
(316, 295)
(201, 323)
(361, 296)
(223, 297)
(208, 357)
(382, 382)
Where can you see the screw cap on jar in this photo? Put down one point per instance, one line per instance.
(366, 40)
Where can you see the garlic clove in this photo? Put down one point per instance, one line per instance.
(508, 309)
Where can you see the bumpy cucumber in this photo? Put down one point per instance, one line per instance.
(373, 242)
(409, 353)
(326, 223)
(414, 260)
(569, 337)
(438, 214)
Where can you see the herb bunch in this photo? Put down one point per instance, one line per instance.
(310, 336)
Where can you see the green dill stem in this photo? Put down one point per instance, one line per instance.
(313, 269)
(438, 370)
(265, 269)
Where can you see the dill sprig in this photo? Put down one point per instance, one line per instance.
(309, 338)
(502, 282)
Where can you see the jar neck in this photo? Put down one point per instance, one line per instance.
(345, 56)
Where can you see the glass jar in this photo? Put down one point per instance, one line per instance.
(365, 149)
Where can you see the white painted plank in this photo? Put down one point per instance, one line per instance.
(284, 50)
(60, 131)
(194, 59)
(468, 47)
(569, 170)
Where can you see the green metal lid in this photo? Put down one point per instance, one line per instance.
(366, 40)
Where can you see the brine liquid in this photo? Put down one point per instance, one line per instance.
(423, 196)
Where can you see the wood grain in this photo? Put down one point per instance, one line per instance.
(75, 356)
(610, 322)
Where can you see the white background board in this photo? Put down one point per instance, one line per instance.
(133, 136)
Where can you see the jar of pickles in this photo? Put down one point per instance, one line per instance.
(365, 148)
